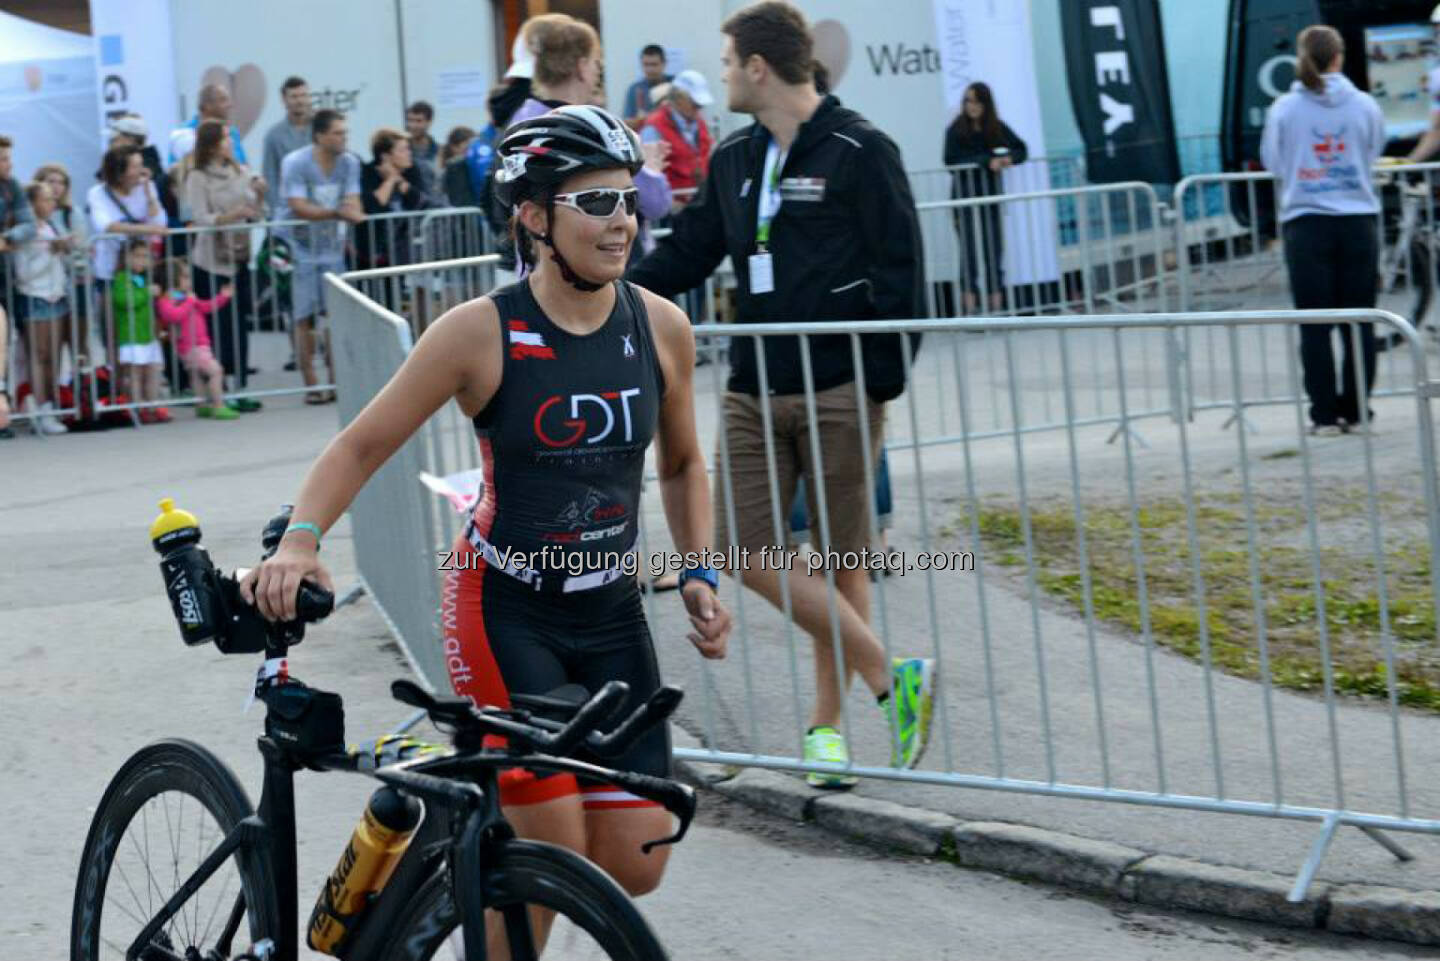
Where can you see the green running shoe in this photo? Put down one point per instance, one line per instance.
(910, 709)
(827, 745)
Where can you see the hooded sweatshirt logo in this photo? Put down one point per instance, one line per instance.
(1329, 147)
(1332, 168)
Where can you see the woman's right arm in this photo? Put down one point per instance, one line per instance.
(459, 354)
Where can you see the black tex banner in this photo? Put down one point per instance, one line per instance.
(1115, 61)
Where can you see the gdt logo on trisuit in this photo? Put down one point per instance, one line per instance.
(592, 418)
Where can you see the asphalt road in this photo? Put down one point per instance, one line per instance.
(93, 670)
(749, 885)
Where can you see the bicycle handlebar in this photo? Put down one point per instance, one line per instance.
(415, 782)
(660, 706)
(552, 737)
(599, 708)
(679, 799)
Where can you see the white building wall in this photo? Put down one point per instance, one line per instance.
(348, 51)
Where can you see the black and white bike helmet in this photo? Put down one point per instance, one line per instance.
(546, 150)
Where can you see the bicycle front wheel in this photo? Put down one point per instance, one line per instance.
(594, 918)
(1411, 294)
(164, 813)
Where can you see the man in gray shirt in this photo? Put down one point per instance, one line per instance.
(321, 184)
(286, 136)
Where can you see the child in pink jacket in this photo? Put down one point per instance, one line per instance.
(179, 306)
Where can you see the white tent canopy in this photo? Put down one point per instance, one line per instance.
(48, 103)
(24, 40)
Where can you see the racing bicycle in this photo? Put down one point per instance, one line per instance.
(179, 866)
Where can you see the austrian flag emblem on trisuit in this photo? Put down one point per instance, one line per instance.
(526, 343)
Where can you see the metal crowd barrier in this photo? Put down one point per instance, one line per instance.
(262, 296)
(1080, 250)
(452, 233)
(933, 184)
(392, 548)
(32, 343)
(1073, 249)
(1229, 255)
(1075, 710)
(397, 551)
(1172, 545)
(1063, 169)
(262, 284)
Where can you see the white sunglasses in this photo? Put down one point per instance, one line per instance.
(600, 202)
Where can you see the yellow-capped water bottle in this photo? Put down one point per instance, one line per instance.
(380, 840)
(187, 571)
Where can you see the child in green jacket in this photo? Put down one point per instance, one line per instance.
(132, 296)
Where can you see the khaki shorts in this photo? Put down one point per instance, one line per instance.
(757, 519)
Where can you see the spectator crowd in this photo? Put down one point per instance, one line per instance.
(145, 283)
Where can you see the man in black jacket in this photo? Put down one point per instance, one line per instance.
(812, 206)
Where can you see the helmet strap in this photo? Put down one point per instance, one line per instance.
(566, 271)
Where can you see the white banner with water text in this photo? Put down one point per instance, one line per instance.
(990, 42)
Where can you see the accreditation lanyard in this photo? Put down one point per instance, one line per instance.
(769, 194)
(761, 265)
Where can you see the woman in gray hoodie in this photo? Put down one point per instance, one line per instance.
(1320, 140)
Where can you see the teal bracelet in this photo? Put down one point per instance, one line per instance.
(304, 526)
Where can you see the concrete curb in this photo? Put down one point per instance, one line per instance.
(1196, 886)
(1049, 856)
(884, 822)
(1095, 867)
(1396, 914)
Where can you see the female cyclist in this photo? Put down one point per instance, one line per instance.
(568, 375)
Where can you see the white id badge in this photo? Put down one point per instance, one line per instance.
(762, 274)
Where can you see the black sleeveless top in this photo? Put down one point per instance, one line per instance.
(563, 440)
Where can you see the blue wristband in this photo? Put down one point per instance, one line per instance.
(707, 574)
(304, 526)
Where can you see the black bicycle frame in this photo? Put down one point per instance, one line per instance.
(272, 829)
(467, 786)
